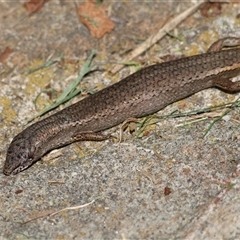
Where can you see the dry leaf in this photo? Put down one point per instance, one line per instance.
(95, 18)
(34, 6)
(18, 191)
(211, 9)
(167, 191)
(4, 55)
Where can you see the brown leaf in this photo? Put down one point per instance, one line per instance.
(34, 6)
(167, 191)
(18, 191)
(95, 18)
(4, 55)
(211, 9)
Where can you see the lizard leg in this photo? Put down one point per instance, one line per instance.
(227, 85)
(224, 42)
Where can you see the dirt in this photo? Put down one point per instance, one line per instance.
(171, 183)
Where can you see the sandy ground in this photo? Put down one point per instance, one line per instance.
(170, 183)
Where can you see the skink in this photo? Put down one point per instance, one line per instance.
(142, 93)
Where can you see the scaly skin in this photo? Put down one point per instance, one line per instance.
(144, 92)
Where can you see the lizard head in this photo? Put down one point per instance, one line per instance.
(19, 155)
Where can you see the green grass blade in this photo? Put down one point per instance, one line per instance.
(71, 90)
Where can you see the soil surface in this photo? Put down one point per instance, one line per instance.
(170, 182)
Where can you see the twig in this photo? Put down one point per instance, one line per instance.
(51, 213)
(72, 208)
(156, 37)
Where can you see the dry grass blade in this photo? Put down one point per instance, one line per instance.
(50, 213)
